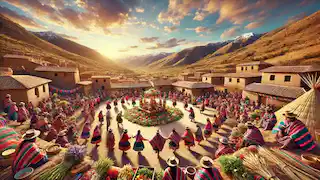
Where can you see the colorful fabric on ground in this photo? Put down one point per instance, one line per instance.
(86, 131)
(96, 138)
(254, 135)
(222, 150)
(188, 138)
(27, 153)
(3, 121)
(199, 135)
(9, 138)
(174, 140)
(208, 174)
(157, 142)
(300, 134)
(180, 175)
(124, 143)
(110, 140)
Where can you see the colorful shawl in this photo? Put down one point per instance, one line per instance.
(139, 138)
(300, 134)
(204, 174)
(179, 174)
(157, 142)
(254, 135)
(9, 139)
(188, 138)
(22, 114)
(86, 131)
(175, 137)
(199, 135)
(27, 154)
(222, 150)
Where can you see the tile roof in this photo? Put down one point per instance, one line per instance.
(192, 84)
(17, 56)
(162, 82)
(276, 90)
(243, 75)
(85, 83)
(253, 63)
(214, 75)
(99, 77)
(292, 69)
(56, 69)
(129, 85)
(21, 82)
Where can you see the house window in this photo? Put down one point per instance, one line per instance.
(96, 80)
(272, 77)
(104, 80)
(206, 78)
(55, 74)
(241, 68)
(252, 67)
(246, 68)
(36, 92)
(44, 88)
(230, 79)
(238, 80)
(287, 78)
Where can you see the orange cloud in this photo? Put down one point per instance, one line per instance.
(170, 29)
(230, 32)
(139, 10)
(148, 39)
(20, 19)
(254, 25)
(173, 42)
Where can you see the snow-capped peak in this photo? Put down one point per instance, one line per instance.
(245, 36)
(48, 34)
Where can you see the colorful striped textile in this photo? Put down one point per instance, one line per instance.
(175, 138)
(96, 138)
(3, 121)
(27, 154)
(277, 128)
(301, 136)
(204, 174)
(188, 138)
(180, 175)
(9, 139)
(157, 142)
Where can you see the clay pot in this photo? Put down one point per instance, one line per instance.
(191, 171)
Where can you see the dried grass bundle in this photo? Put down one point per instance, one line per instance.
(285, 167)
(258, 165)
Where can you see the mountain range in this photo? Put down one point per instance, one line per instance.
(142, 61)
(14, 39)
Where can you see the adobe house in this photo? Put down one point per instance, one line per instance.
(238, 81)
(24, 88)
(100, 83)
(20, 64)
(85, 87)
(280, 84)
(162, 84)
(213, 78)
(193, 88)
(185, 76)
(131, 86)
(252, 67)
(62, 77)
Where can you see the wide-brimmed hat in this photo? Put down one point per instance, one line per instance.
(110, 130)
(223, 140)
(8, 95)
(31, 134)
(289, 114)
(173, 161)
(206, 162)
(21, 104)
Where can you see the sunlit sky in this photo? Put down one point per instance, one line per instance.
(121, 28)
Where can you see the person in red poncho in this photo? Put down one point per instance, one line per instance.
(157, 142)
(174, 140)
(208, 129)
(223, 147)
(110, 140)
(96, 138)
(173, 172)
(198, 134)
(124, 144)
(188, 138)
(100, 116)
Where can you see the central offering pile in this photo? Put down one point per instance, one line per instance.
(152, 113)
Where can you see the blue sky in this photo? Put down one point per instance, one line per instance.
(121, 28)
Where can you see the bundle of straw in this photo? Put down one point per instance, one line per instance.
(258, 165)
(297, 165)
(287, 168)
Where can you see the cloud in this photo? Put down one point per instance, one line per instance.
(78, 20)
(200, 29)
(73, 38)
(170, 29)
(139, 10)
(134, 47)
(173, 42)
(231, 32)
(123, 50)
(254, 25)
(20, 19)
(297, 17)
(149, 39)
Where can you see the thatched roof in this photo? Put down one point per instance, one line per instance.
(192, 84)
(56, 69)
(292, 69)
(307, 106)
(275, 90)
(243, 75)
(21, 82)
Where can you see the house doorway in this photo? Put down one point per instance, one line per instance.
(102, 87)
